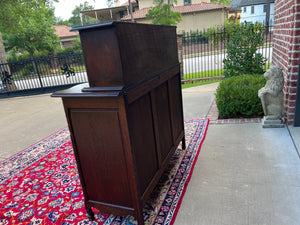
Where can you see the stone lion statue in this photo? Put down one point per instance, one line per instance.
(271, 94)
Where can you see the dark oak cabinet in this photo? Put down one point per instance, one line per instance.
(127, 122)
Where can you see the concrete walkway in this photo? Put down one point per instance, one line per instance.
(244, 175)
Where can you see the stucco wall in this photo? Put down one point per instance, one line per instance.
(181, 2)
(149, 3)
(200, 21)
(196, 21)
(145, 3)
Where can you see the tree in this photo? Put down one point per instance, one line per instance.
(35, 33)
(268, 15)
(242, 56)
(109, 3)
(163, 14)
(226, 2)
(60, 21)
(75, 20)
(11, 11)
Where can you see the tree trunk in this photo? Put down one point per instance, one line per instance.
(130, 10)
(4, 68)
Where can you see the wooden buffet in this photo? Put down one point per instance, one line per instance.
(127, 122)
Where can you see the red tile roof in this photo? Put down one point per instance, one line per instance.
(63, 31)
(140, 14)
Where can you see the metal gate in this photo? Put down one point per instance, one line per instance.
(41, 74)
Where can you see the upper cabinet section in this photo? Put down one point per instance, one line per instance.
(126, 54)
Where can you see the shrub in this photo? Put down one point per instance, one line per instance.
(75, 48)
(28, 69)
(237, 96)
(242, 56)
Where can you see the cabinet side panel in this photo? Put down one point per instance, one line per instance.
(101, 156)
(143, 140)
(102, 57)
(162, 111)
(176, 106)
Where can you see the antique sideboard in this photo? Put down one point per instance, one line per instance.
(127, 121)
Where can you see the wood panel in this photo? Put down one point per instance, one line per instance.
(176, 106)
(102, 57)
(101, 156)
(143, 140)
(147, 45)
(161, 111)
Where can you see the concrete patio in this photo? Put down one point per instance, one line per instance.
(245, 174)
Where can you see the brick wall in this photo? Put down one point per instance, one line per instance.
(286, 44)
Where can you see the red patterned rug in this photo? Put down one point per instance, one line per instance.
(40, 185)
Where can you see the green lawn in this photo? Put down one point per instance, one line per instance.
(204, 74)
(183, 86)
(200, 78)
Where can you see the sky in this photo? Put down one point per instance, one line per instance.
(64, 8)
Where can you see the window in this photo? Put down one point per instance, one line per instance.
(265, 8)
(187, 2)
(252, 9)
(245, 9)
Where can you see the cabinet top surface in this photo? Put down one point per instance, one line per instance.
(108, 24)
(84, 90)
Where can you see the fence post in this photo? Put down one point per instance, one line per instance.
(180, 53)
(38, 73)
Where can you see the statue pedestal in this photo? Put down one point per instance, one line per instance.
(276, 123)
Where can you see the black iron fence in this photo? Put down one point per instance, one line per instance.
(42, 73)
(202, 61)
(204, 52)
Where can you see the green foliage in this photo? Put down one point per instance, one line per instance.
(221, 33)
(242, 56)
(237, 96)
(193, 36)
(35, 33)
(28, 69)
(60, 21)
(226, 2)
(11, 11)
(75, 20)
(76, 48)
(109, 3)
(162, 14)
(204, 74)
(15, 56)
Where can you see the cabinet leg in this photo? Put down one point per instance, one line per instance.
(90, 213)
(140, 220)
(183, 144)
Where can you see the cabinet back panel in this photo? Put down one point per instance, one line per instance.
(162, 110)
(176, 107)
(143, 140)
